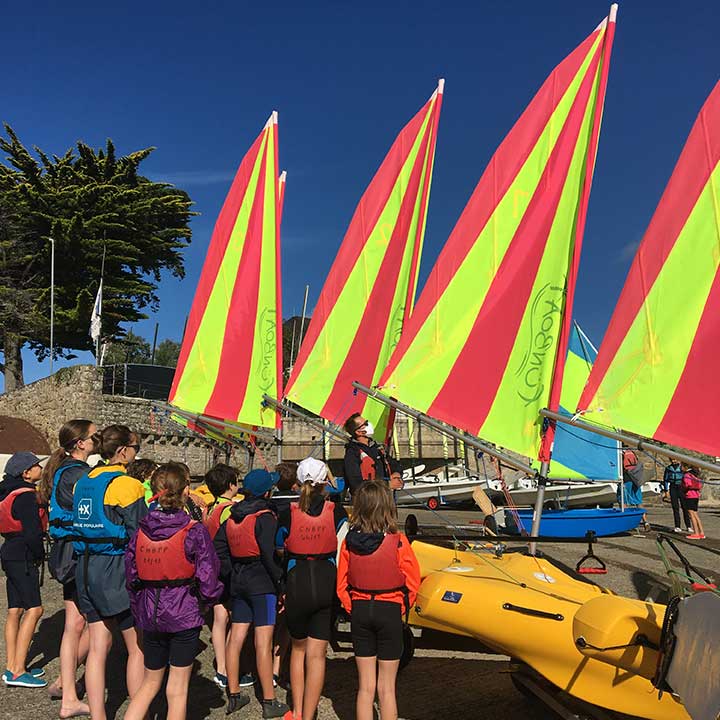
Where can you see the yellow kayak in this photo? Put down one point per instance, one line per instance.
(527, 608)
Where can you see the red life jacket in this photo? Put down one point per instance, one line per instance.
(212, 519)
(163, 563)
(241, 536)
(312, 537)
(379, 572)
(9, 524)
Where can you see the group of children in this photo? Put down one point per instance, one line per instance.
(136, 550)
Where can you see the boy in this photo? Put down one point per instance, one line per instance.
(22, 553)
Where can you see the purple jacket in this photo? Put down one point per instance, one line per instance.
(171, 609)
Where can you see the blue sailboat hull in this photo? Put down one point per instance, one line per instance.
(577, 523)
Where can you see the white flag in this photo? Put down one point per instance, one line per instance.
(95, 319)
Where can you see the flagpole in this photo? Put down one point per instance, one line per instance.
(52, 301)
(97, 339)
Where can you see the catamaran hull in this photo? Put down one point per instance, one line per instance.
(571, 496)
(604, 522)
(525, 607)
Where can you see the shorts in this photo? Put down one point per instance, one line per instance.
(23, 585)
(259, 610)
(123, 620)
(70, 592)
(376, 627)
(692, 503)
(178, 649)
(310, 599)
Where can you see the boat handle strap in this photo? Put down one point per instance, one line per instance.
(533, 612)
(639, 641)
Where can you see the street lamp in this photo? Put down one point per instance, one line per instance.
(52, 299)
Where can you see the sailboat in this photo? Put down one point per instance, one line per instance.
(508, 273)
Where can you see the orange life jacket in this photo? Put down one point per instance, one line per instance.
(312, 537)
(212, 519)
(241, 536)
(163, 563)
(379, 572)
(9, 524)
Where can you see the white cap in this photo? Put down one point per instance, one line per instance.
(313, 471)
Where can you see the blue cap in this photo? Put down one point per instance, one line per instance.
(258, 482)
(19, 463)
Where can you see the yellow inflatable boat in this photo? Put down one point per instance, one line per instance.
(594, 645)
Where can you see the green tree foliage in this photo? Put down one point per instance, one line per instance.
(292, 340)
(86, 200)
(167, 353)
(130, 349)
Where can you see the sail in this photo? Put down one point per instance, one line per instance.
(479, 349)
(655, 374)
(230, 354)
(371, 286)
(580, 454)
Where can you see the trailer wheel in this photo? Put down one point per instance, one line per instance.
(433, 503)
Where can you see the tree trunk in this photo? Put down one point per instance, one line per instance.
(13, 362)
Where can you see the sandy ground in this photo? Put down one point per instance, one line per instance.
(447, 678)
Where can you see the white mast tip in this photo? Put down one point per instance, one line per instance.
(283, 176)
(613, 12)
(441, 86)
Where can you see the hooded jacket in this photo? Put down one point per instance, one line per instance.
(365, 544)
(171, 609)
(26, 546)
(263, 575)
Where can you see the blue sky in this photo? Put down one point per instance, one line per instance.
(198, 81)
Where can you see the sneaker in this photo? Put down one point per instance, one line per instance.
(220, 680)
(26, 680)
(236, 701)
(274, 709)
(696, 536)
(678, 530)
(276, 680)
(35, 672)
(247, 680)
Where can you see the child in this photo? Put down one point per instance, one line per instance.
(108, 505)
(310, 528)
(377, 579)
(142, 469)
(246, 547)
(77, 440)
(692, 485)
(222, 481)
(171, 568)
(22, 553)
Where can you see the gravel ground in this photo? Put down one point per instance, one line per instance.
(448, 677)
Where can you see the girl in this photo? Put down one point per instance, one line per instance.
(77, 440)
(142, 469)
(692, 485)
(222, 481)
(22, 553)
(246, 546)
(108, 505)
(171, 568)
(378, 578)
(309, 528)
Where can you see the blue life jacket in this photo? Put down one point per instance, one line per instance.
(61, 520)
(94, 532)
(674, 475)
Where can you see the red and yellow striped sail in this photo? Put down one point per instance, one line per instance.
(371, 286)
(231, 352)
(480, 347)
(656, 371)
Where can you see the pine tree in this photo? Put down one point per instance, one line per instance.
(86, 200)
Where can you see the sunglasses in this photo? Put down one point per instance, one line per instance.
(136, 448)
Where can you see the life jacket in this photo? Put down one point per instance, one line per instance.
(60, 520)
(8, 524)
(163, 563)
(94, 533)
(241, 536)
(674, 474)
(379, 572)
(214, 514)
(368, 470)
(312, 537)
(691, 482)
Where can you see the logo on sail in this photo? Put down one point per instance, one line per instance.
(267, 337)
(544, 328)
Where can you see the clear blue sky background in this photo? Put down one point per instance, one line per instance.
(198, 81)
